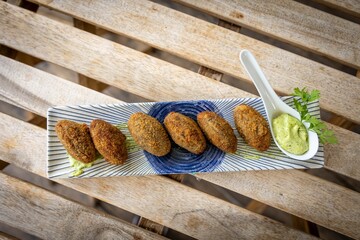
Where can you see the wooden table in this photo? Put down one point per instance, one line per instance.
(303, 32)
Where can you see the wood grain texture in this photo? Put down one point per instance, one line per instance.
(22, 85)
(331, 159)
(4, 236)
(36, 91)
(300, 224)
(339, 161)
(11, 52)
(210, 74)
(256, 206)
(300, 194)
(341, 122)
(150, 225)
(104, 60)
(350, 6)
(83, 80)
(38, 121)
(293, 23)
(12, 149)
(156, 198)
(204, 43)
(49, 216)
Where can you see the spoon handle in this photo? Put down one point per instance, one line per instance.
(270, 98)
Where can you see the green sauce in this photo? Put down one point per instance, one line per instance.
(78, 166)
(291, 134)
(131, 146)
(248, 156)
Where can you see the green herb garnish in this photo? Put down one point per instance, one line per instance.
(316, 125)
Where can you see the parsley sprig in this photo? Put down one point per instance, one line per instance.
(316, 125)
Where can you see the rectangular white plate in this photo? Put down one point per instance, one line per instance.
(178, 160)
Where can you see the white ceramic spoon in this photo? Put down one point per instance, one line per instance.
(274, 106)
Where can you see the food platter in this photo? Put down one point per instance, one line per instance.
(140, 162)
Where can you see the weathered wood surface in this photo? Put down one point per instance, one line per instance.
(4, 236)
(49, 216)
(204, 43)
(35, 90)
(256, 206)
(157, 198)
(18, 89)
(335, 157)
(301, 194)
(293, 23)
(350, 6)
(83, 80)
(104, 60)
(11, 149)
(151, 225)
(58, 46)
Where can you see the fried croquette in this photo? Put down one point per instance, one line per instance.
(77, 140)
(185, 132)
(218, 131)
(253, 127)
(109, 141)
(149, 134)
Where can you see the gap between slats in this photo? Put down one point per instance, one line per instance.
(68, 92)
(91, 97)
(37, 118)
(327, 102)
(296, 24)
(57, 217)
(171, 191)
(325, 114)
(349, 9)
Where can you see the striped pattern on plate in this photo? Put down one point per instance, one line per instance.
(178, 160)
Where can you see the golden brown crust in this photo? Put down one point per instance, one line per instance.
(109, 141)
(185, 132)
(253, 127)
(218, 131)
(149, 134)
(76, 139)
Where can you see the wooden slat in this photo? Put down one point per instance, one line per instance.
(210, 74)
(49, 216)
(4, 236)
(83, 80)
(256, 206)
(300, 224)
(350, 6)
(340, 121)
(104, 60)
(300, 194)
(38, 121)
(150, 225)
(157, 198)
(33, 92)
(11, 52)
(339, 161)
(201, 42)
(293, 23)
(333, 162)
(19, 156)
(36, 98)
